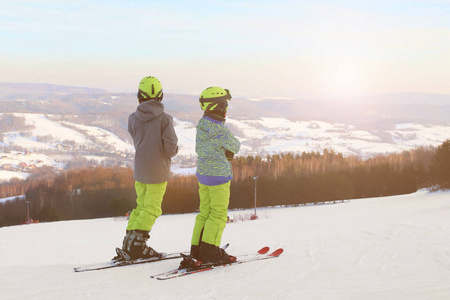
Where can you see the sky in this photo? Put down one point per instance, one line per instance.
(285, 49)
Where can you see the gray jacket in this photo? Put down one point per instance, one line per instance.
(155, 142)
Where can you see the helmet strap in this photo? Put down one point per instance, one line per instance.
(144, 96)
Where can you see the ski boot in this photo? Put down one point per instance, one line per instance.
(191, 261)
(214, 255)
(134, 246)
(121, 256)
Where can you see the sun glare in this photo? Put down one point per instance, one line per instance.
(343, 79)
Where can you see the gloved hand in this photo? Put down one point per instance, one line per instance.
(229, 155)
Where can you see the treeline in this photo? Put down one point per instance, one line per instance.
(282, 179)
(10, 122)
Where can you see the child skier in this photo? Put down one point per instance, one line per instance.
(155, 142)
(215, 147)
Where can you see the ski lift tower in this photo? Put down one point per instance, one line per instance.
(255, 216)
(28, 211)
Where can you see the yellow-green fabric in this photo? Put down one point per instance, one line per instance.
(148, 209)
(212, 218)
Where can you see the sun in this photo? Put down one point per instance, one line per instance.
(343, 79)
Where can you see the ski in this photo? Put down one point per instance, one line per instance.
(121, 263)
(260, 255)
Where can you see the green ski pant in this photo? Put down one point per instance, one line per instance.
(148, 209)
(212, 218)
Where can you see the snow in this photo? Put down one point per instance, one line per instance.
(26, 143)
(186, 137)
(15, 158)
(44, 127)
(104, 136)
(8, 175)
(3, 200)
(183, 171)
(59, 131)
(420, 135)
(262, 136)
(275, 135)
(380, 248)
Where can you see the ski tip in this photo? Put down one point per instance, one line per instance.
(277, 252)
(264, 250)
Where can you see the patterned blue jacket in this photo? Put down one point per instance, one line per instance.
(212, 139)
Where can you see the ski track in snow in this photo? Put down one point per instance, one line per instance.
(380, 248)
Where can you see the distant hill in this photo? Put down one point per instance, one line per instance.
(71, 126)
(15, 89)
(371, 112)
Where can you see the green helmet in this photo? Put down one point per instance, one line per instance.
(150, 89)
(215, 99)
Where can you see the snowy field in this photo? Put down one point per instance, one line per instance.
(51, 142)
(380, 248)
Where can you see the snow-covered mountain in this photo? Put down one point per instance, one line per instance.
(50, 140)
(63, 125)
(380, 248)
(46, 140)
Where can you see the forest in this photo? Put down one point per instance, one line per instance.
(285, 179)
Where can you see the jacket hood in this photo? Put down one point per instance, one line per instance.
(149, 110)
(208, 129)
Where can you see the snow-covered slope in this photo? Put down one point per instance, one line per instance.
(379, 248)
(48, 134)
(264, 135)
(275, 135)
(58, 141)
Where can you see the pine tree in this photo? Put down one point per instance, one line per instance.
(440, 165)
